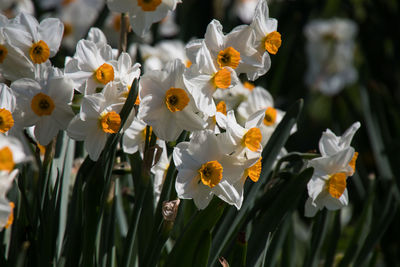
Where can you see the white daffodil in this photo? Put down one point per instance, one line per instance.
(203, 78)
(13, 62)
(327, 187)
(38, 42)
(261, 99)
(166, 105)
(6, 207)
(244, 141)
(205, 170)
(92, 67)
(11, 153)
(266, 36)
(97, 119)
(233, 50)
(45, 105)
(143, 13)
(330, 50)
(7, 107)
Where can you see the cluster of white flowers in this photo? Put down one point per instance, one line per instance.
(193, 87)
(327, 187)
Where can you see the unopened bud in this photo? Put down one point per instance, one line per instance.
(170, 209)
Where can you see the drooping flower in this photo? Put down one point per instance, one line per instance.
(45, 105)
(166, 105)
(143, 13)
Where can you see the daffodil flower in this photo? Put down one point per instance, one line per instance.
(166, 105)
(205, 170)
(14, 64)
(266, 36)
(327, 187)
(204, 77)
(92, 67)
(244, 140)
(45, 105)
(97, 119)
(38, 42)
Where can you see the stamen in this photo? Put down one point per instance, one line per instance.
(211, 173)
(110, 122)
(270, 116)
(104, 74)
(149, 5)
(42, 104)
(6, 120)
(176, 99)
(6, 159)
(229, 57)
(272, 42)
(39, 52)
(336, 184)
(252, 139)
(3, 53)
(222, 79)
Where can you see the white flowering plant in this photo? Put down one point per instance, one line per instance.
(185, 133)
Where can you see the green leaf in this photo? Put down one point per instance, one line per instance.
(184, 252)
(284, 203)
